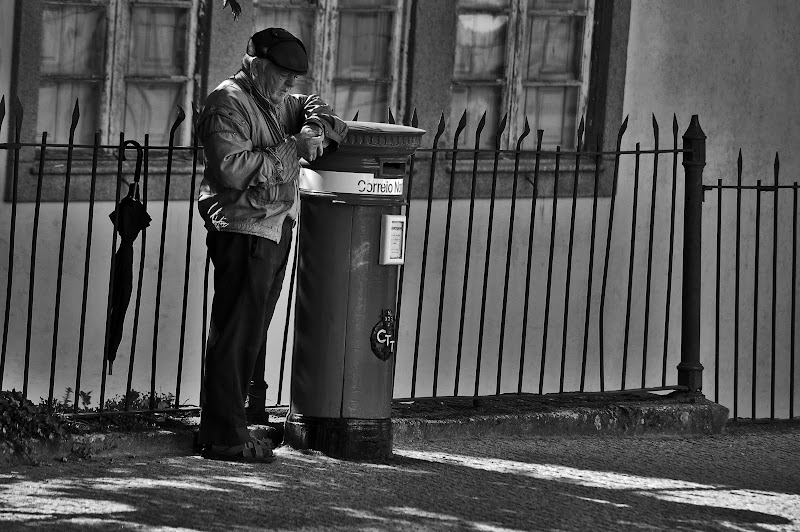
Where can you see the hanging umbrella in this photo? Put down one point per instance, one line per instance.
(129, 218)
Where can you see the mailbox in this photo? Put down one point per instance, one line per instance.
(351, 240)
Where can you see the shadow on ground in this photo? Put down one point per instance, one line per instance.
(722, 482)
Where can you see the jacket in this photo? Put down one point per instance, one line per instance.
(247, 186)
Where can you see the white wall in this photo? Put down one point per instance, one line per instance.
(733, 63)
(493, 305)
(6, 46)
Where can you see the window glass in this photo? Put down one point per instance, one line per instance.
(73, 40)
(363, 62)
(554, 48)
(552, 70)
(364, 44)
(368, 100)
(156, 50)
(151, 108)
(480, 45)
(72, 68)
(553, 109)
(476, 100)
(56, 103)
(479, 71)
(157, 41)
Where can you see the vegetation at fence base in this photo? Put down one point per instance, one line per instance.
(135, 401)
(141, 401)
(22, 421)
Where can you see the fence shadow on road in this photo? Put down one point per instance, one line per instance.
(537, 484)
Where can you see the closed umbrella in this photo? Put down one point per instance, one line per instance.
(129, 218)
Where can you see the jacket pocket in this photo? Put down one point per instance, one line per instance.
(262, 195)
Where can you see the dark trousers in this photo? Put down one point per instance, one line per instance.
(248, 274)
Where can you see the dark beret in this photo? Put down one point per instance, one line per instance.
(281, 47)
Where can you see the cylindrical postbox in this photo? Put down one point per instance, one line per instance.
(351, 239)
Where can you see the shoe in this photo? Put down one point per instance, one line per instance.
(274, 433)
(253, 451)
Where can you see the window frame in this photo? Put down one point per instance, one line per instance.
(120, 79)
(102, 79)
(512, 84)
(326, 33)
(26, 78)
(114, 79)
(429, 97)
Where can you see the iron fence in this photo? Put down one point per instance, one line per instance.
(529, 269)
(91, 264)
(609, 233)
(744, 361)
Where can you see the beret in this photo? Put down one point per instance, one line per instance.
(281, 48)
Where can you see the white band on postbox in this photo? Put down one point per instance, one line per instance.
(363, 183)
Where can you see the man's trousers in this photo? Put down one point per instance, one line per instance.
(248, 275)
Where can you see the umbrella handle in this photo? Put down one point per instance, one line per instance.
(139, 158)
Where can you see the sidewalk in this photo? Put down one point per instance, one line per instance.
(618, 414)
(744, 479)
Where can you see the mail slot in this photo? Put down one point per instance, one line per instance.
(393, 169)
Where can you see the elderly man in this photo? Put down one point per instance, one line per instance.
(253, 133)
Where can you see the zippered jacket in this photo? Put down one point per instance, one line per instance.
(251, 164)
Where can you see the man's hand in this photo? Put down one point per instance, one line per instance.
(310, 142)
(235, 7)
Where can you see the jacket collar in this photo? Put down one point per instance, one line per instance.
(267, 109)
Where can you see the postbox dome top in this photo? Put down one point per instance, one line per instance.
(379, 127)
(380, 134)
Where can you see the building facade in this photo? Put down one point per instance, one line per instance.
(132, 63)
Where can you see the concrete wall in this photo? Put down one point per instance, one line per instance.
(6, 55)
(733, 63)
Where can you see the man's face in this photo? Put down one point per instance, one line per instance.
(274, 82)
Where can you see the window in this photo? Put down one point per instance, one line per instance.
(129, 63)
(524, 58)
(72, 68)
(362, 40)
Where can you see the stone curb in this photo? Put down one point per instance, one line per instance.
(628, 418)
(111, 445)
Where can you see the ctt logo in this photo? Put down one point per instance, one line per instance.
(382, 339)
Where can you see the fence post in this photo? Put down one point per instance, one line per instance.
(690, 371)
